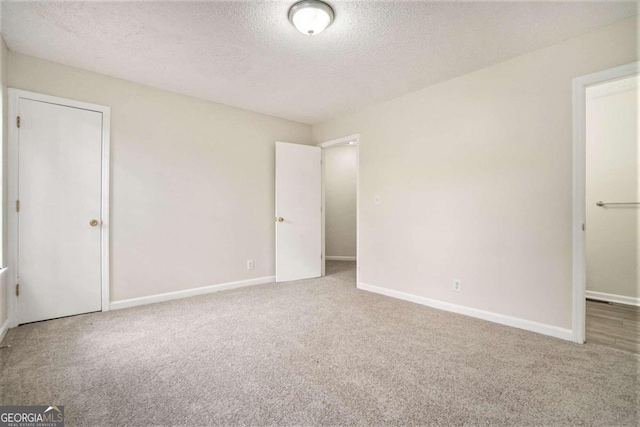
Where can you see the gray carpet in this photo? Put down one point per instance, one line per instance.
(307, 353)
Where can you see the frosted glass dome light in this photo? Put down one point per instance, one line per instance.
(311, 17)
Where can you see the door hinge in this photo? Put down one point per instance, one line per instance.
(18, 290)
(17, 205)
(18, 121)
(584, 227)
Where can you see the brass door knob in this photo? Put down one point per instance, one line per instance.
(94, 222)
(280, 219)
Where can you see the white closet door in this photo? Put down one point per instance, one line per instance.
(59, 242)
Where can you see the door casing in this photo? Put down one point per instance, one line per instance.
(14, 96)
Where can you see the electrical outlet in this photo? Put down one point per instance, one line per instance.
(457, 285)
(250, 264)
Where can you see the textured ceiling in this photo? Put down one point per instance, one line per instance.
(247, 54)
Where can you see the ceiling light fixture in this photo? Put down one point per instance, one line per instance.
(311, 17)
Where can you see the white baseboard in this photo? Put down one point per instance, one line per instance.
(341, 258)
(541, 328)
(133, 302)
(620, 299)
(3, 329)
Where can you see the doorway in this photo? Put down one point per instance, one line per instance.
(608, 144)
(340, 163)
(315, 213)
(59, 197)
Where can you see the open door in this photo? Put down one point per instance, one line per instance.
(298, 212)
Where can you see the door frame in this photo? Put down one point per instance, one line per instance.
(579, 278)
(346, 140)
(14, 95)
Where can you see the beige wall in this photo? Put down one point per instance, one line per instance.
(613, 161)
(341, 176)
(192, 196)
(475, 180)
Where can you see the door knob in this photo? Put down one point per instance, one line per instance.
(93, 222)
(280, 219)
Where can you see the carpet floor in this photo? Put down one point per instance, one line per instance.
(313, 352)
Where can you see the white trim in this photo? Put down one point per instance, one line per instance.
(358, 210)
(5, 325)
(151, 299)
(528, 325)
(105, 229)
(619, 299)
(12, 194)
(323, 217)
(579, 183)
(611, 88)
(340, 258)
(355, 139)
(4, 329)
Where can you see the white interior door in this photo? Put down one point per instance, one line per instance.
(59, 188)
(298, 212)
